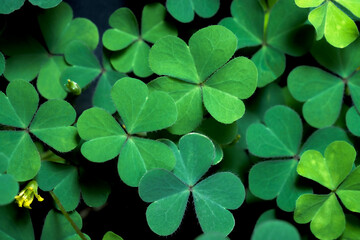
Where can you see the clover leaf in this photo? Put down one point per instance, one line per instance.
(275, 229)
(125, 38)
(2, 63)
(9, 188)
(15, 224)
(111, 236)
(65, 182)
(57, 227)
(85, 68)
(333, 171)
(200, 73)
(8, 6)
(331, 21)
(353, 121)
(140, 111)
(183, 11)
(46, 62)
(51, 124)
(257, 26)
(279, 139)
(169, 191)
(323, 92)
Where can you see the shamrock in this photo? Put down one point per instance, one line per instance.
(46, 62)
(279, 139)
(125, 38)
(333, 170)
(322, 91)
(8, 6)
(140, 111)
(258, 24)
(169, 191)
(200, 73)
(330, 21)
(51, 124)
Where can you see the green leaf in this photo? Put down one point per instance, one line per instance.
(188, 102)
(354, 87)
(183, 11)
(213, 196)
(308, 3)
(275, 229)
(353, 121)
(57, 227)
(139, 155)
(169, 191)
(103, 133)
(102, 97)
(321, 92)
(45, 3)
(352, 229)
(111, 236)
(349, 191)
(20, 104)
(19, 155)
(67, 28)
(222, 133)
(63, 181)
(211, 236)
(270, 64)
(277, 179)
(140, 110)
(85, 66)
(51, 125)
(94, 191)
(9, 188)
(337, 27)
(2, 63)
(280, 137)
(325, 213)
(15, 223)
(331, 169)
(8, 6)
(351, 5)
(153, 25)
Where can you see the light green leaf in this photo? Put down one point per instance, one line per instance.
(51, 125)
(331, 169)
(140, 110)
(277, 179)
(111, 236)
(352, 5)
(19, 155)
(349, 191)
(321, 92)
(353, 121)
(57, 227)
(280, 137)
(15, 224)
(325, 213)
(9, 188)
(308, 3)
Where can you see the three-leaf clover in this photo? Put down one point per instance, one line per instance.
(200, 73)
(169, 192)
(330, 21)
(51, 124)
(257, 25)
(322, 91)
(8, 6)
(85, 68)
(183, 11)
(124, 37)
(333, 170)
(46, 62)
(140, 111)
(279, 139)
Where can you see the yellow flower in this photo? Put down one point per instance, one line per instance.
(26, 196)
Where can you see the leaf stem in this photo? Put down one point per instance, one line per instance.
(67, 216)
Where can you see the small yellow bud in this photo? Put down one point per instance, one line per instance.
(26, 196)
(73, 87)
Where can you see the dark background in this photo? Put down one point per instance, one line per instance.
(124, 212)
